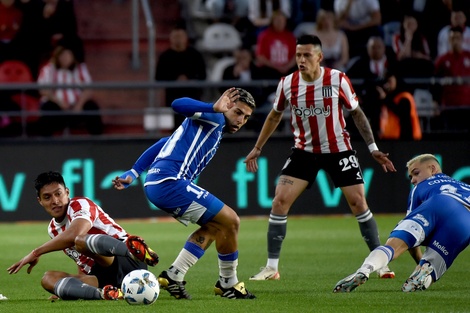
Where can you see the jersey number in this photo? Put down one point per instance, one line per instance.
(198, 193)
(348, 163)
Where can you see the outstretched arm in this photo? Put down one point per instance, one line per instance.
(64, 240)
(142, 163)
(363, 126)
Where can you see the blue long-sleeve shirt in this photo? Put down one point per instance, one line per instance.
(438, 184)
(186, 153)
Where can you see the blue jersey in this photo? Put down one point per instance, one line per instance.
(192, 146)
(438, 184)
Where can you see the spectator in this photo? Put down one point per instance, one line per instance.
(410, 42)
(11, 19)
(47, 24)
(431, 15)
(335, 45)
(275, 49)
(457, 19)
(260, 12)
(412, 51)
(454, 98)
(64, 68)
(372, 68)
(399, 119)
(245, 70)
(60, 27)
(180, 62)
(359, 19)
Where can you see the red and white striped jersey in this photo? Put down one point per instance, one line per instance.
(102, 223)
(50, 74)
(317, 119)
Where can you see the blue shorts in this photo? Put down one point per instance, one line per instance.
(185, 201)
(441, 223)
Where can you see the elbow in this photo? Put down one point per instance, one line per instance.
(177, 104)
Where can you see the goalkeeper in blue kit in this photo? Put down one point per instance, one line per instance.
(172, 164)
(438, 217)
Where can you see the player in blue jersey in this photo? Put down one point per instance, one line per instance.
(173, 164)
(438, 217)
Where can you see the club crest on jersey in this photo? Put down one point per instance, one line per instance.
(327, 91)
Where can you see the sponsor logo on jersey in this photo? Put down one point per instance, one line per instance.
(154, 171)
(422, 219)
(311, 111)
(440, 247)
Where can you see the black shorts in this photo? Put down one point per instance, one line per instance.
(342, 167)
(114, 274)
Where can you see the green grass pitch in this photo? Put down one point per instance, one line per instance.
(317, 252)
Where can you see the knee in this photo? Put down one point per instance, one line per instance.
(236, 223)
(48, 281)
(232, 224)
(280, 206)
(358, 203)
(80, 243)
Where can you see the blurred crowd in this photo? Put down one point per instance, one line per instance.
(389, 49)
(39, 42)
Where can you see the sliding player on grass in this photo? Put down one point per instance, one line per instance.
(103, 251)
(438, 217)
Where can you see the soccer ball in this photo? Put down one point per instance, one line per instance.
(140, 287)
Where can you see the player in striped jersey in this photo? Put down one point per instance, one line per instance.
(99, 246)
(438, 217)
(173, 164)
(316, 97)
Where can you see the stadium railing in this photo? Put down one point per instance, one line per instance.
(154, 115)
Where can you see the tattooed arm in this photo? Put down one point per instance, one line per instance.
(364, 129)
(363, 126)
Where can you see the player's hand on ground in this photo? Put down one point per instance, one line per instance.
(227, 100)
(30, 259)
(251, 160)
(382, 159)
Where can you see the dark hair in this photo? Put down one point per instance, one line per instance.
(47, 178)
(245, 96)
(309, 40)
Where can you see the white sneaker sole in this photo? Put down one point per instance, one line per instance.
(261, 276)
